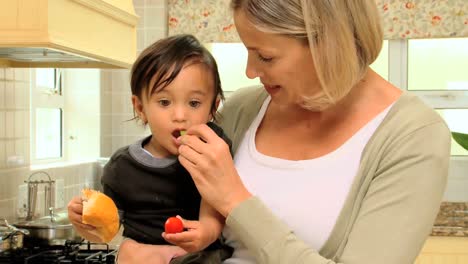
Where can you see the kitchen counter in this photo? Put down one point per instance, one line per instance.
(452, 220)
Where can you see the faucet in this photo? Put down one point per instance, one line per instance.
(49, 195)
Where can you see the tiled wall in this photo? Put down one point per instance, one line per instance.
(15, 148)
(115, 109)
(14, 116)
(116, 105)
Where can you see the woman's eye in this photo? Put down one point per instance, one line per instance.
(194, 104)
(264, 59)
(164, 102)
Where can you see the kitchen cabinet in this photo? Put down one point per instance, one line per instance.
(444, 250)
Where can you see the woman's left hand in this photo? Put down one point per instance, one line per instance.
(208, 160)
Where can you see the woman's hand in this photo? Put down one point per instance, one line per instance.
(208, 160)
(196, 237)
(132, 252)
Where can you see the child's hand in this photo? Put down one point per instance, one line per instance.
(196, 237)
(75, 213)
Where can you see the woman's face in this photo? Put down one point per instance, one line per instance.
(283, 64)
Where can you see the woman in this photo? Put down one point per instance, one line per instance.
(332, 163)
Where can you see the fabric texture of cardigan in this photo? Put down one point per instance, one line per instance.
(392, 203)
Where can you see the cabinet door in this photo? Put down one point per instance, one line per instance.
(444, 250)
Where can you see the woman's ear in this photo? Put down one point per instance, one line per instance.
(138, 108)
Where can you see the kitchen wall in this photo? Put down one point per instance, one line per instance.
(15, 165)
(116, 106)
(115, 129)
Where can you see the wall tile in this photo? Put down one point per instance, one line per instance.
(9, 74)
(9, 151)
(22, 74)
(120, 81)
(140, 40)
(457, 190)
(2, 155)
(138, 3)
(7, 210)
(2, 124)
(19, 123)
(106, 146)
(155, 18)
(141, 13)
(2, 94)
(10, 95)
(10, 124)
(20, 149)
(4, 186)
(154, 34)
(155, 3)
(20, 90)
(2, 73)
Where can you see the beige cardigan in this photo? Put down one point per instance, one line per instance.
(393, 200)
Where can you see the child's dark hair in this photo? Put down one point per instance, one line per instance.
(164, 60)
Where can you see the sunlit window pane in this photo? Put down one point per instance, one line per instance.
(45, 78)
(48, 133)
(380, 65)
(438, 64)
(232, 62)
(456, 120)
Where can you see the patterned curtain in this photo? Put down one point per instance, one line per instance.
(211, 20)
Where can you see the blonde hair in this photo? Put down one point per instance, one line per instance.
(344, 37)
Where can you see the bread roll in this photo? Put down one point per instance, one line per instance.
(100, 211)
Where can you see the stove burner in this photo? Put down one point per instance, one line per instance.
(71, 252)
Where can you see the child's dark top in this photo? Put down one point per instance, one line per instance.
(149, 190)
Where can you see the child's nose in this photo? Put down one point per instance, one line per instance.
(180, 114)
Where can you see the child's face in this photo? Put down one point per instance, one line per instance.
(185, 102)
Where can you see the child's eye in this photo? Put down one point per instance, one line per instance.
(194, 104)
(164, 102)
(264, 59)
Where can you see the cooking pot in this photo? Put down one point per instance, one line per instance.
(50, 230)
(11, 238)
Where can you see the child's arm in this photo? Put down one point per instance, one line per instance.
(199, 234)
(211, 221)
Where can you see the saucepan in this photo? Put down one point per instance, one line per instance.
(50, 230)
(11, 238)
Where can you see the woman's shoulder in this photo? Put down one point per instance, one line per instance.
(409, 119)
(410, 111)
(246, 96)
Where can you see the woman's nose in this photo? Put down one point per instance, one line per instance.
(251, 70)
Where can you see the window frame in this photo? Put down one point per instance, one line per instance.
(398, 76)
(46, 97)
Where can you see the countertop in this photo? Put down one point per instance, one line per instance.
(452, 220)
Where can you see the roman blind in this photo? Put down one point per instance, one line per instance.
(211, 20)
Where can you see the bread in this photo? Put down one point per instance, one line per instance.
(100, 211)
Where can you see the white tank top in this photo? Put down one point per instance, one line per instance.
(307, 195)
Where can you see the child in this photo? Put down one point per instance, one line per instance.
(175, 84)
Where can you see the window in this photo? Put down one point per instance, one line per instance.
(437, 71)
(434, 69)
(47, 106)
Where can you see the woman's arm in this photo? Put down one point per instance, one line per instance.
(391, 222)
